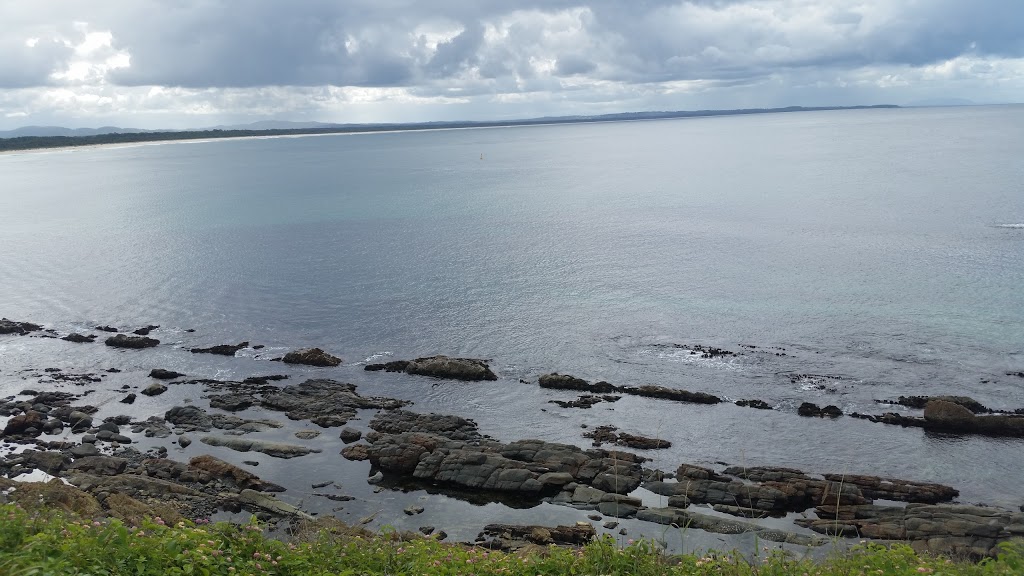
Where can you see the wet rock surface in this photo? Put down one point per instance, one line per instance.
(79, 338)
(557, 381)
(812, 410)
(612, 435)
(19, 328)
(324, 402)
(311, 357)
(162, 374)
(221, 349)
(972, 531)
(469, 369)
(131, 342)
(514, 536)
(449, 451)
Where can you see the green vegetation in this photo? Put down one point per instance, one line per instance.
(50, 542)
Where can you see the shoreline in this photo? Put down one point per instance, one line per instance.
(229, 420)
(140, 138)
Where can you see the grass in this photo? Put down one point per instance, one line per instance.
(53, 542)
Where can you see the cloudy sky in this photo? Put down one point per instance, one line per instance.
(190, 63)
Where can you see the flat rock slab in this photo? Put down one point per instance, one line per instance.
(275, 449)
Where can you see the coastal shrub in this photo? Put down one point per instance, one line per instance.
(51, 542)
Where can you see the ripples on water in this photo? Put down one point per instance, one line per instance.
(878, 247)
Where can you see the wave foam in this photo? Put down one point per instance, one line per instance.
(1009, 225)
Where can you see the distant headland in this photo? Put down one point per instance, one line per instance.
(130, 135)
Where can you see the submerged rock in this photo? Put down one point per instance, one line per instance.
(80, 339)
(311, 357)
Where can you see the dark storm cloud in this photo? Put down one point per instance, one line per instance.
(380, 43)
(23, 65)
(460, 47)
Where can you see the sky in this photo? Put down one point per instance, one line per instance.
(196, 63)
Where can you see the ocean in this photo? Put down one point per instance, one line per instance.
(845, 257)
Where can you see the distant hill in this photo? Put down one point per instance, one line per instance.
(62, 131)
(33, 137)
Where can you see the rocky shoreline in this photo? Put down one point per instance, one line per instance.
(450, 454)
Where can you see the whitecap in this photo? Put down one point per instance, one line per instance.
(1018, 226)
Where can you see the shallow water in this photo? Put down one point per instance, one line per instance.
(882, 248)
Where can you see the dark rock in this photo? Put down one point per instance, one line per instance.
(129, 399)
(426, 530)
(275, 449)
(969, 531)
(84, 450)
(469, 369)
(184, 441)
(154, 389)
(189, 417)
(565, 382)
(356, 452)
(50, 462)
(78, 420)
(20, 328)
(949, 417)
(350, 435)
(759, 404)
(76, 337)
(135, 342)
(146, 330)
(264, 379)
(413, 509)
(577, 535)
(102, 465)
(586, 401)
(23, 422)
(324, 402)
(106, 329)
(813, 410)
(233, 475)
(875, 487)
(965, 401)
(674, 394)
(232, 402)
(311, 357)
(161, 374)
(220, 349)
(609, 434)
